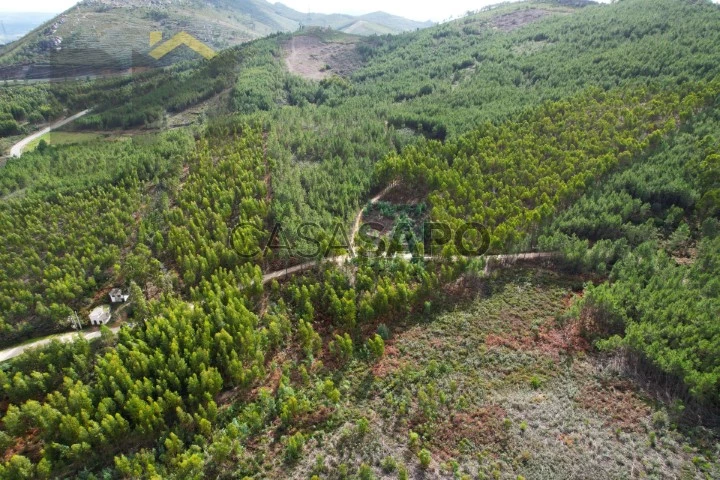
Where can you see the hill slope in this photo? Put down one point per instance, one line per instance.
(105, 33)
(590, 134)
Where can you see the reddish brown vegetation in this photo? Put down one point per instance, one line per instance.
(480, 427)
(618, 401)
(29, 445)
(389, 363)
(548, 340)
(312, 419)
(518, 19)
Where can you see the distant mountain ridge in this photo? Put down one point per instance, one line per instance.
(115, 29)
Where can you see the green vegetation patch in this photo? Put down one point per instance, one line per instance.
(63, 138)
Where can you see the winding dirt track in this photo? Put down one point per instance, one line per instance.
(494, 260)
(18, 148)
(64, 338)
(338, 260)
(358, 218)
(490, 260)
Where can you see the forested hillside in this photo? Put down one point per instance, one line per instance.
(438, 83)
(654, 228)
(68, 215)
(584, 134)
(513, 176)
(97, 36)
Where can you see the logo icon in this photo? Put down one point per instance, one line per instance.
(176, 41)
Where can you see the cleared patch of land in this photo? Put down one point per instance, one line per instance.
(213, 106)
(497, 383)
(316, 59)
(517, 19)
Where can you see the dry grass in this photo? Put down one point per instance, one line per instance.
(495, 387)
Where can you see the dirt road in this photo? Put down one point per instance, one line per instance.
(18, 148)
(490, 260)
(358, 218)
(64, 338)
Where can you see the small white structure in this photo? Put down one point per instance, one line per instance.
(100, 316)
(117, 296)
(75, 321)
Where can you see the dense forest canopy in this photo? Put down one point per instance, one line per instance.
(588, 132)
(639, 225)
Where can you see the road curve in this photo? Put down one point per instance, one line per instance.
(358, 218)
(490, 261)
(18, 148)
(279, 274)
(286, 272)
(64, 338)
(494, 260)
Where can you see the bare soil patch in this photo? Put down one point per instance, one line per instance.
(310, 57)
(376, 217)
(518, 19)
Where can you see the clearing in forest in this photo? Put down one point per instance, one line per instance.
(519, 18)
(315, 59)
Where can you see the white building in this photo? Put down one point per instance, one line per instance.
(117, 296)
(100, 316)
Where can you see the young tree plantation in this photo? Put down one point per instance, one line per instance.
(583, 139)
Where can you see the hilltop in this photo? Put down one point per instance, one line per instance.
(102, 36)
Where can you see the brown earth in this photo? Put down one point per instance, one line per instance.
(310, 57)
(518, 19)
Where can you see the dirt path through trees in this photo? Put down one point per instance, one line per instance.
(18, 148)
(13, 352)
(491, 261)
